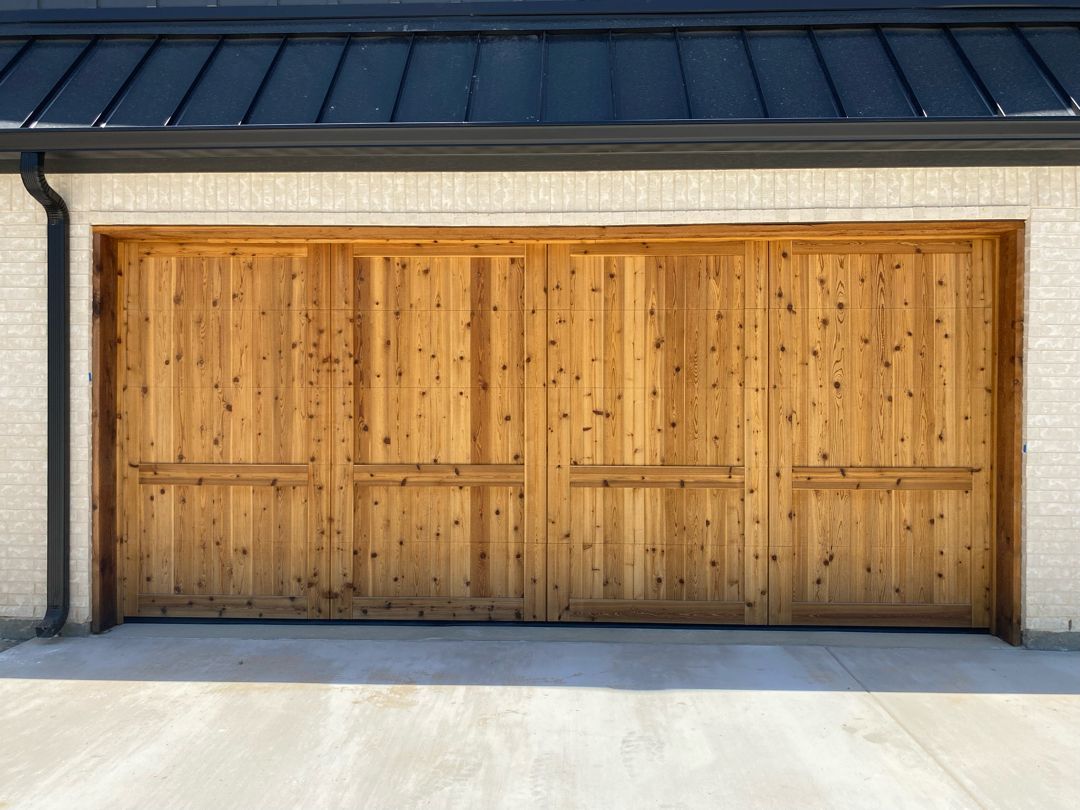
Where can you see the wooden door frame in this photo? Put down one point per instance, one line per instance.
(1008, 361)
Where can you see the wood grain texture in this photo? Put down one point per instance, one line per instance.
(792, 424)
(561, 234)
(455, 610)
(659, 475)
(248, 475)
(655, 610)
(647, 392)
(224, 607)
(932, 478)
(436, 440)
(222, 402)
(534, 605)
(1008, 441)
(882, 375)
(756, 435)
(875, 615)
(105, 611)
(456, 475)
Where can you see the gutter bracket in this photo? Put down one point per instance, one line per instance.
(58, 591)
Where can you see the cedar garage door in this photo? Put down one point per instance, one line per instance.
(753, 431)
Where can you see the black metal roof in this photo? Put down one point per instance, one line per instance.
(205, 84)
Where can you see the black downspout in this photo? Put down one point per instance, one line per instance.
(58, 597)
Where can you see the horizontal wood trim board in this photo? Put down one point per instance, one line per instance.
(286, 250)
(846, 231)
(250, 475)
(919, 478)
(240, 607)
(440, 249)
(439, 609)
(426, 475)
(870, 615)
(684, 248)
(656, 476)
(644, 610)
(894, 246)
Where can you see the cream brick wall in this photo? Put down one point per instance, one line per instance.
(1046, 197)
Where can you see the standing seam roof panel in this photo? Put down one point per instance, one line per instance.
(719, 79)
(35, 75)
(1059, 49)
(578, 85)
(156, 90)
(437, 81)
(507, 83)
(792, 79)
(936, 73)
(520, 77)
(863, 75)
(649, 84)
(295, 89)
(9, 49)
(225, 91)
(92, 87)
(368, 82)
(1009, 73)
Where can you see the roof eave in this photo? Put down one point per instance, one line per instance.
(746, 144)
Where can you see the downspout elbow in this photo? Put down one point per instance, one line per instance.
(58, 565)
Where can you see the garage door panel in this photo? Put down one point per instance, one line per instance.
(647, 366)
(275, 348)
(433, 479)
(932, 404)
(439, 541)
(888, 546)
(654, 543)
(881, 389)
(232, 425)
(679, 425)
(219, 541)
(634, 426)
(445, 425)
(223, 432)
(439, 348)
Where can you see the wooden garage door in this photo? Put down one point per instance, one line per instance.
(882, 439)
(729, 431)
(433, 419)
(656, 456)
(222, 429)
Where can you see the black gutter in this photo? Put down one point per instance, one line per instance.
(58, 597)
(606, 137)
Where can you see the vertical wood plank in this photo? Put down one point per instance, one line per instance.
(781, 437)
(1008, 386)
(559, 394)
(536, 433)
(106, 610)
(756, 433)
(346, 552)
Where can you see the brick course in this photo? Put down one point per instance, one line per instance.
(1047, 198)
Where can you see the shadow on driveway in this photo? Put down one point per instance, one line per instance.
(621, 662)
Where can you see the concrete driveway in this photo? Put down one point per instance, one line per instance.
(217, 717)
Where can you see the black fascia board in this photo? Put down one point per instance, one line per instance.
(610, 146)
(517, 135)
